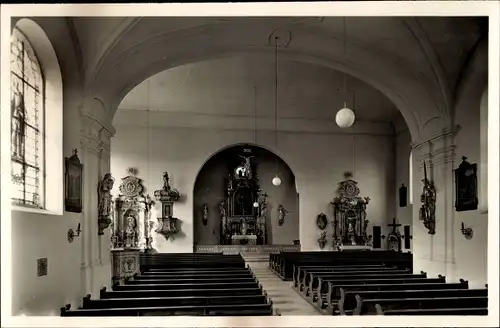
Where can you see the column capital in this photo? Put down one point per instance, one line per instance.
(95, 132)
(438, 149)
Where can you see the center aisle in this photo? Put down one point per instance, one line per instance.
(284, 298)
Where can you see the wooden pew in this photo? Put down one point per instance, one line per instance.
(310, 281)
(330, 301)
(193, 275)
(338, 290)
(225, 285)
(283, 263)
(299, 271)
(104, 293)
(305, 286)
(363, 302)
(195, 280)
(192, 310)
(439, 311)
(139, 302)
(195, 271)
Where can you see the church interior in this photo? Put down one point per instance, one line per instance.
(248, 166)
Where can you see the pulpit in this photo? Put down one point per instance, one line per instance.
(349, 216)
(166, 197)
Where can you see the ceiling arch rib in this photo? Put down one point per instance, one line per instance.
(117, 78)
(420, 36)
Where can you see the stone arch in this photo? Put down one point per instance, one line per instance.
(415, 98)
(208, 191)
(275, 152)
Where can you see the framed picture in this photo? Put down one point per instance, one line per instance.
(466, 186)
(73, 184)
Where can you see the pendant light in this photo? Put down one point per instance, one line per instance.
(345, 116)
(276, 180)
(255, 204)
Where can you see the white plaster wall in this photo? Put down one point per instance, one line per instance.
(403, 148)
(317, 160)
(448, 252)
(36, 235)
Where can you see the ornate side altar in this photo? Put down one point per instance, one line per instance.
(130, 227)
(349, 216)
(243, 211)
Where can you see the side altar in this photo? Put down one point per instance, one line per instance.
(349, 217)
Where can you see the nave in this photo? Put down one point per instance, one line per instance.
(375, 283)
(332, 283)
(182, 284)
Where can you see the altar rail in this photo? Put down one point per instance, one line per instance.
(236, 249)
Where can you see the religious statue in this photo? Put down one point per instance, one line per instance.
(105, 200)
(322, 240)
(428, 208)
(351, 232)
(230, 183)
(18, 124)
(166, 184)
(130, 232)
(281, 214)
(205, 214)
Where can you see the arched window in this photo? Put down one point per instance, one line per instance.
(483, 153)
(27, 123)
(36, 119)
(410, 187)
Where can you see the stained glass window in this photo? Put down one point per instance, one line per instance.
(27, 123)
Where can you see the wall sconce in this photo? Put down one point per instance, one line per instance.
(72, 234)
(467, 232)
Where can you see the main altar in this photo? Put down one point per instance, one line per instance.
(243, 210)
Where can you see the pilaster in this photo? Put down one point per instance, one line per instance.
(435, 253)
(94, 142)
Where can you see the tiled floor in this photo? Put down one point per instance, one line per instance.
(283, 296)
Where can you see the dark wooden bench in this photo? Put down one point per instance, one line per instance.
(193, 280)
(104, 293)
(337, 294)
(299, 272)
(225, 285)
(283, 263)
(439, 311)
(190, 310)
(138, 302)
(305, 287)
(190, 275)
(363, 302)
(194, 271)
(311, 278)
(330, 302)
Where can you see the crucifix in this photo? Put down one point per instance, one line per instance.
(394, 225)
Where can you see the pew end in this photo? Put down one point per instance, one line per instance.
(65, 309)
(378, 309)
(102, 292)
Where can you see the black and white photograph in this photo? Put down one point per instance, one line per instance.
(306, 166)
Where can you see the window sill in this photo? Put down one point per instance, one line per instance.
(17, 208)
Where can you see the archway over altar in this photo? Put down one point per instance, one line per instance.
(236, 204)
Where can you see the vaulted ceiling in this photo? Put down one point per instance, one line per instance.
(207, 63)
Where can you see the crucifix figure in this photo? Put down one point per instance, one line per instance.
(247, 166)
(394, 238)
(394, 225)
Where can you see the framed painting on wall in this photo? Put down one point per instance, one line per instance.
(73, 184)
(466, 186)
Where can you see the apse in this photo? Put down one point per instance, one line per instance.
(236, 203)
